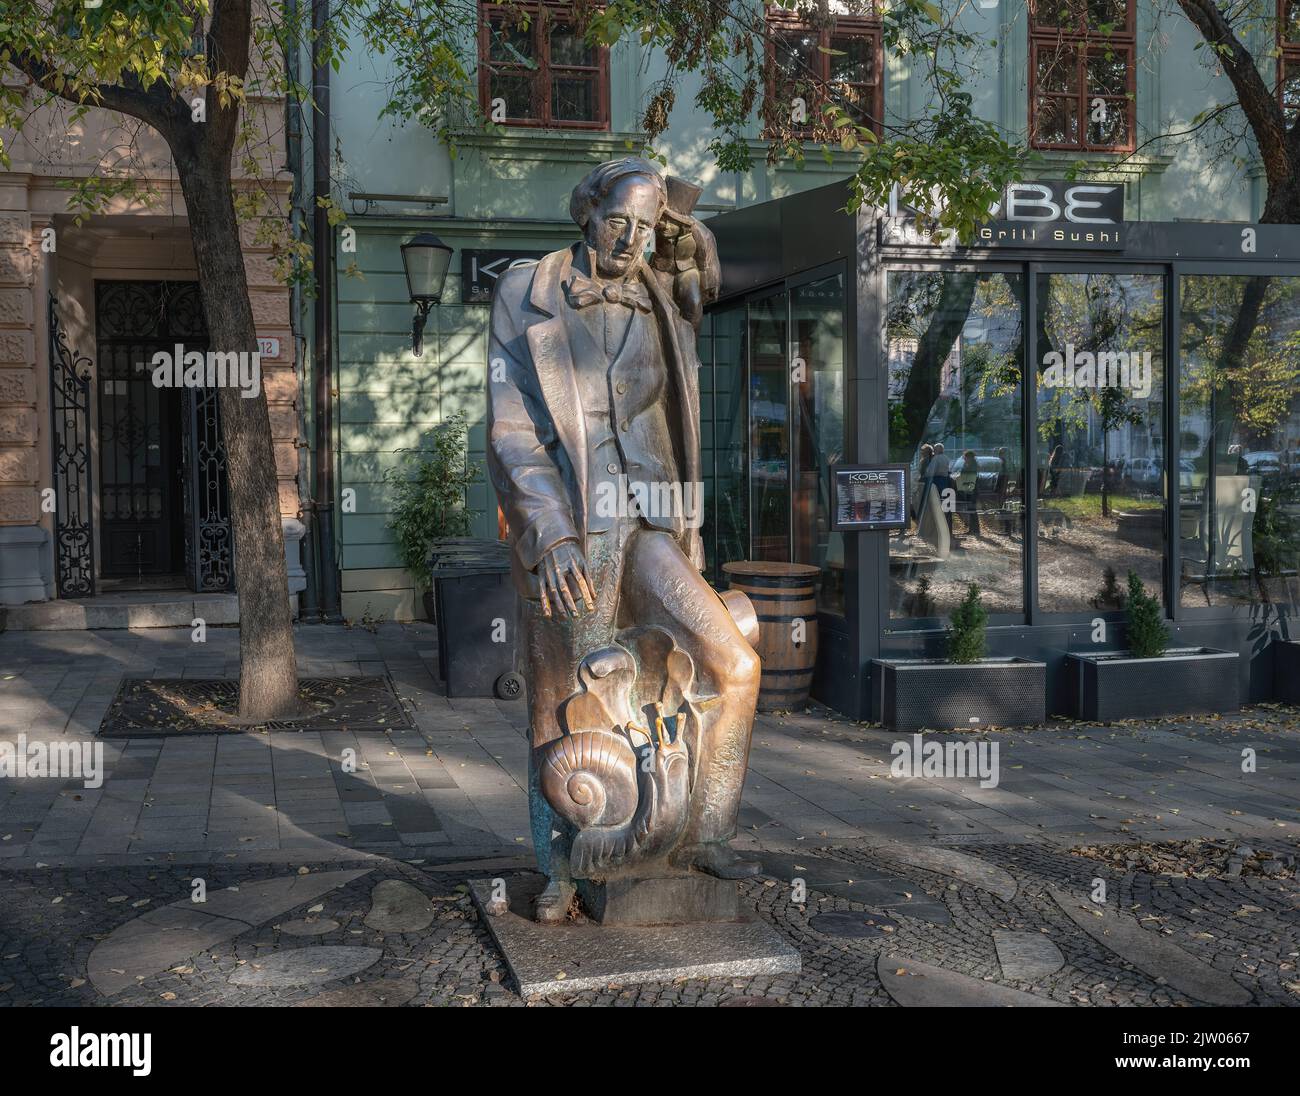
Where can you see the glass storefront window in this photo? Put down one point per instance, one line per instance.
(1239, 440)
(726, 534)
(1101, 476)
(769, 429)
(817, 344)
(955, 350)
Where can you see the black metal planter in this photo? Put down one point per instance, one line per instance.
(1286, 670)
(1109, 685)
(911, 694)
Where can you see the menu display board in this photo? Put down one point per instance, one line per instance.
(868, 496)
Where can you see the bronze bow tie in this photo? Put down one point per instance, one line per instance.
(581, 291)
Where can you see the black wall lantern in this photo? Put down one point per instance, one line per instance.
(426, 259)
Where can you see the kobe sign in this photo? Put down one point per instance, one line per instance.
(1076, 215)
(1086, 216)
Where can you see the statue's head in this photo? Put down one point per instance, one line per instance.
(617, 206)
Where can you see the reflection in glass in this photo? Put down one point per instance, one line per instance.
(817, 343)
(955, 362)
(724, 442)
(1239, 441)
(1101, 478)
(769, 433)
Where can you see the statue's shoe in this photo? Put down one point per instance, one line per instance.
(553, 903)
(722, 862)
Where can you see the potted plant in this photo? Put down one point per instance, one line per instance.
(1150, 678)
(428, 498)
(966, 688)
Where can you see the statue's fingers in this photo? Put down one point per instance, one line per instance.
(553, 583)
(584, 585)
(563, 582)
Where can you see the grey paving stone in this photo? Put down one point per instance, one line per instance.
(1156, 955)
(154, 942)
(919, 985)
(308, 966)
(956, 865)
(254, 903)
(309, 926)
(397, 906)
(1027, 956)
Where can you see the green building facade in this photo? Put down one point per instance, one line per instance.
(508, 193)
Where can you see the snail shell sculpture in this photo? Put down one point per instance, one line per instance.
(590, 778)
(626, 799)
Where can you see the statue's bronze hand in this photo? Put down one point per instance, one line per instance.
(563, 572)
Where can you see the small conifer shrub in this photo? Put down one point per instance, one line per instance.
(966, 628)
(1147, 635)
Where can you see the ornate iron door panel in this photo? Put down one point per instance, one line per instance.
(74, 540)
(163, 504)
(209, 543)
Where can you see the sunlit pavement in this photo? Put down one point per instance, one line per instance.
(976, 888)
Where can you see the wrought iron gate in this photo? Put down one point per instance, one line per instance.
(74, 540)
(209, 540)
(151, 316)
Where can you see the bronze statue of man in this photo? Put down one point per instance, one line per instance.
(642, 683)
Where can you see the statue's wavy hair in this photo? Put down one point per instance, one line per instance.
(600, 181)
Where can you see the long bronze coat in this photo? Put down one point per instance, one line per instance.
(537, 437)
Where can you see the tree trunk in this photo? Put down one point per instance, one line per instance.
(924, 380)
(268, 679)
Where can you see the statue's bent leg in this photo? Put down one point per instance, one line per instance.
(553, 648)
(661, 587)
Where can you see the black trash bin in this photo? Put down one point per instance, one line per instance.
(475, 606)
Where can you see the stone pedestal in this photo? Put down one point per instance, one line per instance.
(556, 959)
(660, 900)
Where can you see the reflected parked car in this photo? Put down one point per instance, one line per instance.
(1263, 463)
(1144, 473)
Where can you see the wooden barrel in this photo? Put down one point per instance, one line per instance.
(785, 600)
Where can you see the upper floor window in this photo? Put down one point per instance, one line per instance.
(837, 62)
(1288, 58)
(536, 69)
(1082, 76)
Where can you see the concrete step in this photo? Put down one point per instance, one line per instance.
(151, 609)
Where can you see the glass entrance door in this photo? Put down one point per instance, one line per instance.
(772, 393)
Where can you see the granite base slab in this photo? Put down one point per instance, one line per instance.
(551, 959)
(682, 898)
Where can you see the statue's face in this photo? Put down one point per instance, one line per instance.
(622, 226)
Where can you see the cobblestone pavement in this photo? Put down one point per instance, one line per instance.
(1244, 931)
(962, 878)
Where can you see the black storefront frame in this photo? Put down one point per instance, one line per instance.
(765, 247)
(835, 633)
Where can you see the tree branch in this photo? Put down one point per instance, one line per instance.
(128, 97)
(1259, 104)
